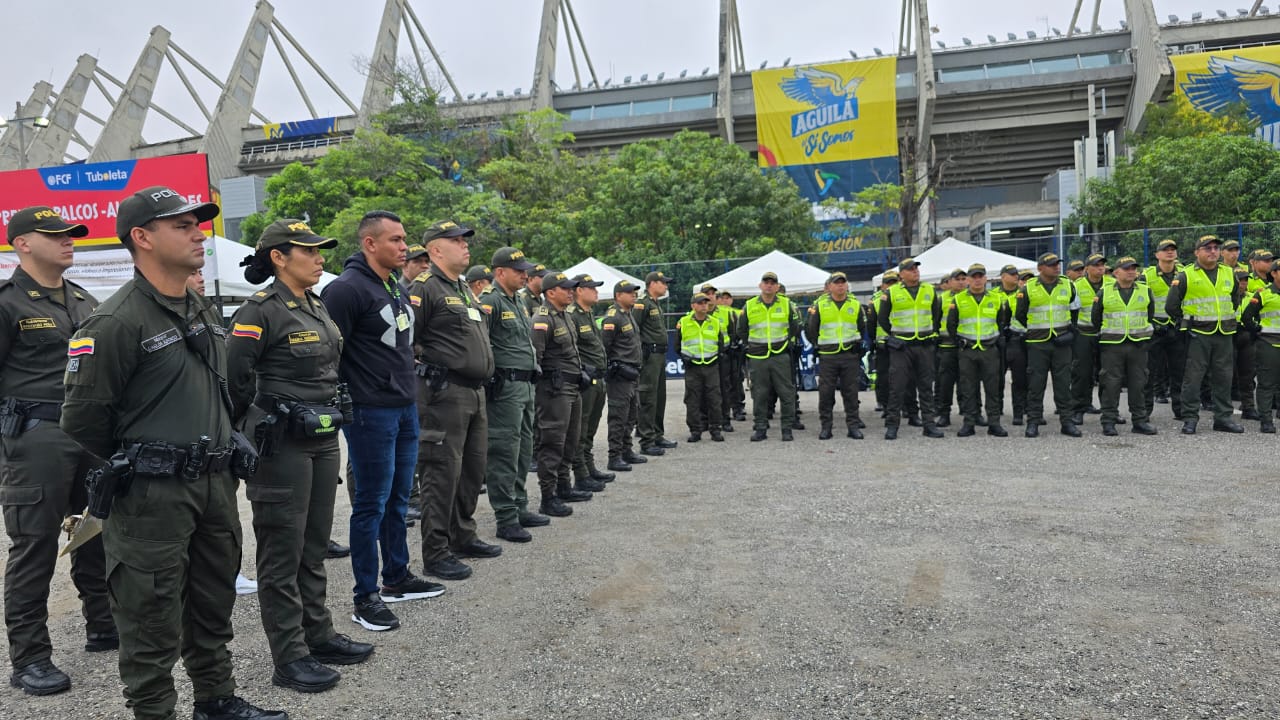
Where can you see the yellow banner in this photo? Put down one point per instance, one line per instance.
(835, 112)
(1214, 81)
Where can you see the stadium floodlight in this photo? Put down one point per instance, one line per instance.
(786, 62)
(501, 94)
(660, 76)
(1262, 10)
(1012, 36)
(626, 79)
(1222, 14)
(644, 77)
(853, 55)
(606, 82)
(967, 42)
(941, 44)
(484, 94)
(519, 91)
(705, 70)
(684, 72)
(878, 52)
(1057, 32)
(1242, 13)
(1173, 19)
(1197, 16)
(471, 96)
(764, 64)
(1031, 34)
(1124, 25)
(992, 39)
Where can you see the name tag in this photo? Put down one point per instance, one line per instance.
(161, 341)
(508, 315)
(402, 321)
(474, 314)
(37, 324)
(306, 336)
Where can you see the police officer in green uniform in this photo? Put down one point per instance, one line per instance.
(558, 402)
(735, 397)
(1167, 349)
(948, 356)
(145, 379)
(41, 469)
(1123, 312)
(621, 343)
(282, 360)
(453, 361)
(836, 326)
(1014, 348)
(586, 476)
(510, 396)
(910, 314)
(702, 344)
(1203, 298)
(882, 359)
(1244, 380)
(652, 327)
(479, 278)
(1047, 307)
(770, 326)
(978, 318)
(1085, 346)
(1262, 317)
(415, 264)
(723, 313)
(531, 293)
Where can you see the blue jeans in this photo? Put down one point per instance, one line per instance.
(383, 445)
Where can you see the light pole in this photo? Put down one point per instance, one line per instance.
(20, 124)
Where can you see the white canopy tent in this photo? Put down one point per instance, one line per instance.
(950, 254)
(102, 272)
(800, 277)
(607, 274)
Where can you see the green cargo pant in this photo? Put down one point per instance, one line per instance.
(1083, 350)
(593, 402)
(510, 450)
(1267, 364)
(1124, 363)
(41, 482)
(173, 550)
(838, 371)
(1209, 359)
(772, 379)
(653, 400)
(622, 415)
(1044, 358)
(981, 374)
(947, 386)
(702, 408)
(292, 497)
(454, 470)
(559, 414)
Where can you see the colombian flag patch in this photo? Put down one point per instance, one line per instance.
(247, 331)
(80, 346)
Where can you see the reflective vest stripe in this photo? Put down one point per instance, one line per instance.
(768, 324)
(700, 340)
(1125, 321)
(838, 325)
(1207, 306)
(1047, 314)
(1159, 293)
(978, 319)
(1269, 317)
(912, 318)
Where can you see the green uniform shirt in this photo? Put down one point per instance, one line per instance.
(531, 302)
(35, 324)
(555, 339)
(590, 347)
(619, 336)
(449, 328)
(650, 322)
(284, 346)
(132, 377)
(510, 329)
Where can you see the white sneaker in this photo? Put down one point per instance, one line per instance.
(245, 586)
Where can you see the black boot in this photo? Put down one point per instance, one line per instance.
(716, 436)
(599, 475)
(305, 675)
(759, 435)
(568, 494)
(584, 483)
(966, 429)
(234, 708)
(891, 432)
(41, 677)
(931, 431)
(694, 437)
(619, 465)
(631, 457)
(825, 432)
(554, 507)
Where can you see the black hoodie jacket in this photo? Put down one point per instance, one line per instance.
(377, 358)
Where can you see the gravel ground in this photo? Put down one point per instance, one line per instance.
(1125, 577)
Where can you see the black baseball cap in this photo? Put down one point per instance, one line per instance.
(625, 286)
(45, 220)
(1009, 270)
(446, 229)
(907, 264)
(700, 297)
(1208, 240)
(555, 279)
(509, 257)
(1166, 243)
(838, 276)
(292, 232)
(585, 280)
(157, 202)
(1231, 245)
(655, 276)
(415, 251)
(1048, 259)
(1096, 259)
(1075, 265)
(479, 272)
(976, 268)
(1126, 261)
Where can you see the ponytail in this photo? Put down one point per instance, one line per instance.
(258, 268)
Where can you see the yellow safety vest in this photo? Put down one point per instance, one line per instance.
(1010, 297)
(1125, 321)
(837, 324)
(767, 325)
(912, 317)
(1086, 293)
(1047, 314)
(700, 341)
(1269, 315)
(1159, 292)
(1207, 306)
(978, 318)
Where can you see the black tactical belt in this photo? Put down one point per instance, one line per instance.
(515, 375)
(465, 382)
(162, 460)
(45, 411)
(654, 347)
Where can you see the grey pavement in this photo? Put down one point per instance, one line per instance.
(1126, 577)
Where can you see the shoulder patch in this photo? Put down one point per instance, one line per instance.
(423, 276)
(639, 306)
(488, 309)
(80, 346)
(612, 312)
(253, 332)
(415, 300)
(542, 310)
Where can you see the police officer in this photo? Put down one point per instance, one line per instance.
(41, 469)
(510, 397)
(144, 377)
(1262, 317)
(1085, 346)
(910, 314)
(836, 325)
(531, 293)
(725, 314)
(1123, 313)
(1260, 262)
(770, 326)
(416, 262)
(1047, 307)
(1167, 349)
(887, 280)
(621, 343)
(1242, 375)
(479, 278)
(591, 354)
(1204, 297)
(1014, 347)
(948, 356)
(559, 405)
(735, 400)
(453, 360)
(977, 318)
(652, 327)
(702, 343)
(282, 359)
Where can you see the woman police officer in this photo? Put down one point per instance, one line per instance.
(283, 364)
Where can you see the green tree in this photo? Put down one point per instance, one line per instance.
(869, 214)
(1178, 118)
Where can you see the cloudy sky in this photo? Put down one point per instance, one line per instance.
(486, 44)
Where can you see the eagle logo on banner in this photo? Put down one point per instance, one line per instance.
(1238, 80)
